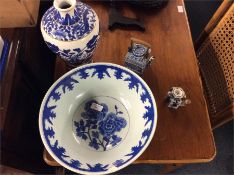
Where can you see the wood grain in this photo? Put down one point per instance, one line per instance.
(13, 36)
(183, 135)
(18, 13)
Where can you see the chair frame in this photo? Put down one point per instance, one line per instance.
(220, 117)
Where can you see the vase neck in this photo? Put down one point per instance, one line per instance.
(65, 11)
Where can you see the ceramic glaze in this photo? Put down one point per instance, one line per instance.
(101, 123)
(97, 118)
(137, 58)
(71, 30)
(176, 97)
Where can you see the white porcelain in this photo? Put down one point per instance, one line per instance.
(97, 118)
(72, 33)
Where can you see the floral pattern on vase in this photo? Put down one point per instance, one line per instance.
(69, 28)
(74, 55)
(100, 128)
(72, 33)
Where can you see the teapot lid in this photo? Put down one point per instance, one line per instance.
(69, 20)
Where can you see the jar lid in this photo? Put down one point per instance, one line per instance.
(69, 20)
(139, 50)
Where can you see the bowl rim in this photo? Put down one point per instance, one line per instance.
(108, 170)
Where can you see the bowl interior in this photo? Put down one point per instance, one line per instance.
(99, 121)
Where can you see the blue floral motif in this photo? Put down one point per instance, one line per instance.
(99, 127)
(75, 55)
(83, 125)
(69, 28)
(111, 124)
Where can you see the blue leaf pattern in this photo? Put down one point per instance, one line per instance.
(83, 74)
(101, 72)
(148, 114)
(67, 83)
(59, 151)
(49, 114)
(75, 163)
(50, 132)
(56, 96)
(133, 82)
(136, 149)
(118, 74)
(146, 133)
(119, 163)
(97, 167)
(144, 96)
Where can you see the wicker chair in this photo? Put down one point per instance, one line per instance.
(215, 53)
(216, 61)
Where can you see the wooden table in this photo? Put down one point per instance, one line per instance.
(183, 135)
(10, 79)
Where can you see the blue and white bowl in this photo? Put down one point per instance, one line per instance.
(97, 118)
(71, 30)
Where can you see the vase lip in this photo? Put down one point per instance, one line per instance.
(57, 5)
(72, 25)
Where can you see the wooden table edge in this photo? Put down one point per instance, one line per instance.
(184, 161)
(46, 157)
(201, 84)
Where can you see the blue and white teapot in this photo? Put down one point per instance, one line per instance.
(71, 30)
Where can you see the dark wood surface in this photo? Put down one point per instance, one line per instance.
(18, 112)
(13, 36)
(183, 135)
(28, 74)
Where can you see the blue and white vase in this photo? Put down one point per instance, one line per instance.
(71, 30)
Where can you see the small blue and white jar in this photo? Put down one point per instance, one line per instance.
(71, 30)
(176, 97)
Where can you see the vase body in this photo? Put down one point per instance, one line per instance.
(71, 30)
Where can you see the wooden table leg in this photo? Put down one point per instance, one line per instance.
(60, 171)
(169, 168)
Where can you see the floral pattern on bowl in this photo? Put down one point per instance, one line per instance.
(56, 122)
(100, 128)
